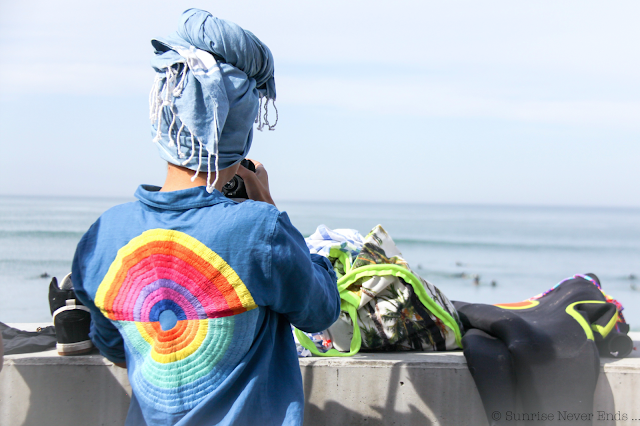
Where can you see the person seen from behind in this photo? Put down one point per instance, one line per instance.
(195, 293)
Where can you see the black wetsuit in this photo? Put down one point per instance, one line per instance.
(543, 352)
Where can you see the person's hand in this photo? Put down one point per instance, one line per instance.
(257, 184)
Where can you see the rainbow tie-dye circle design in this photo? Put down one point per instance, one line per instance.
(185, 315)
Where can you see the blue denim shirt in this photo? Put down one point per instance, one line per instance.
(197, 293)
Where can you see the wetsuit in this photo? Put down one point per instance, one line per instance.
(543, 350)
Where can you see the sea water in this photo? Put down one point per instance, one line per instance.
(482, 254)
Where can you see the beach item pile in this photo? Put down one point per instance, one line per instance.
(385, 306)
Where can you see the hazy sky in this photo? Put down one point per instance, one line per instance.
(460, 102)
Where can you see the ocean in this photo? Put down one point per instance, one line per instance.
(482, 254)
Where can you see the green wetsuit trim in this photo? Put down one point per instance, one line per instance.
(603, 331)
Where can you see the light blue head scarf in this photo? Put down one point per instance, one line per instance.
(211, 78)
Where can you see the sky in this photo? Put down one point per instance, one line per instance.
(482, 102)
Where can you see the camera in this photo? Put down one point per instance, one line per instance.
(235, 187)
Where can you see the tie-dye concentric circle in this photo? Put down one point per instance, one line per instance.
(168, 274)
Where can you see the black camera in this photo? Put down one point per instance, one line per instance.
(235, 187)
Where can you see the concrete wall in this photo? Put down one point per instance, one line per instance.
(433, 389)
(391, 389)
(369, 389)
(47, 389)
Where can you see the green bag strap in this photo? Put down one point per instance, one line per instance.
(356, 340)
(343, 257)
(349, 302)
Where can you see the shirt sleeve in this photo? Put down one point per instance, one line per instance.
(104, 334)
(303, 286)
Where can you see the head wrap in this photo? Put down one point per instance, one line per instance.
(211, 78)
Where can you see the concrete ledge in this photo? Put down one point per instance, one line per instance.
(368, 389)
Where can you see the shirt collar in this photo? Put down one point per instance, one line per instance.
(179, 200)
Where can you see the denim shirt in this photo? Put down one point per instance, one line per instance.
(197, 293)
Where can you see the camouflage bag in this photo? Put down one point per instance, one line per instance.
(385, 306)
